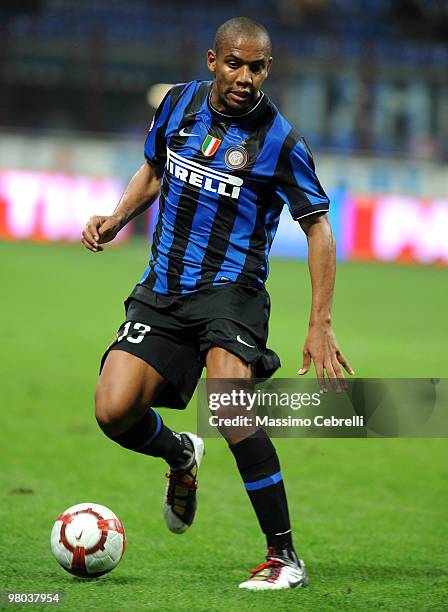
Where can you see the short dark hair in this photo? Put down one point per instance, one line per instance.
(241, 26)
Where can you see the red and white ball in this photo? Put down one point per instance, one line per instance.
(88, 540)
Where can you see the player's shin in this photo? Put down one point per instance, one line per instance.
(259, 467)
(150, 436)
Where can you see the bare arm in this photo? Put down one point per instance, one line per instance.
(143, 189)
(321, 345)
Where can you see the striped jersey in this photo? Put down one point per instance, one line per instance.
(225, 181)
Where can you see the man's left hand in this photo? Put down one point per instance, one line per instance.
(322, 348)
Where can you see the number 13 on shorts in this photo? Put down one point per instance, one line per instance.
(134, 332)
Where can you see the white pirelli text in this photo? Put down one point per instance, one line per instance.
(203, 177)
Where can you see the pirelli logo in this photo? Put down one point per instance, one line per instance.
(200, 176)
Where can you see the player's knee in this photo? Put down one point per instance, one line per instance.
(110, 410)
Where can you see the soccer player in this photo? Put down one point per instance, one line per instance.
(224, 162)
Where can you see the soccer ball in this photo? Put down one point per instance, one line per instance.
(88, 540)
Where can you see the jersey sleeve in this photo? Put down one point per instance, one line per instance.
(155, 144)
(298, 185)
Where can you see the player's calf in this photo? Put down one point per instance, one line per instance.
(126, 389)
(113, 415)
(150, 436)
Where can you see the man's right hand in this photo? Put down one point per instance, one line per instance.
(99, 230)
(143, 189)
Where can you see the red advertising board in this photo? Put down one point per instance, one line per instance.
(46, 206)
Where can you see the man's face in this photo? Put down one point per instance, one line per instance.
(240, 67)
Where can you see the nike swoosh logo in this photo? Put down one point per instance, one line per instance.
(78, 537)
(242, 342)
(297, 579)
(184, 133)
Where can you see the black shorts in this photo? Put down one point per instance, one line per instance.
(173, 334)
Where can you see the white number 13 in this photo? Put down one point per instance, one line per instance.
(139, 331)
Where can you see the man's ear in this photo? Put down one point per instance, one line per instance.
(268, 65)
(211, 60)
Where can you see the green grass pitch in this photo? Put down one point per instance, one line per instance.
(369, 516)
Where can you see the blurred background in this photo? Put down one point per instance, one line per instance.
(365, 81)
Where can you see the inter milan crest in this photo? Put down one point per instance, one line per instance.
(236, 158)
(210, 145)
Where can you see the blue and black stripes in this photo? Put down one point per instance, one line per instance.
(157, 425)
(150, 436)
(155, 150)
(219, 212)
(262, 483)
(259, 467)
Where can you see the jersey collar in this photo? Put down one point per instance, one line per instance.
(260, 103)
